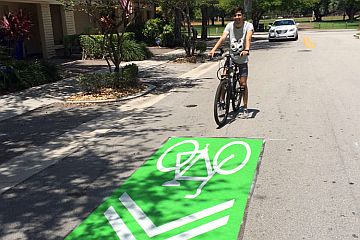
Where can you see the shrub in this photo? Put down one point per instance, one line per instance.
(200, 46)
(131, 50)
(130, 75)
(91, 45)
(167, 36)
(51, 71)
(152, 30)
(137, 29)
(16, 28)
(30, 73)
(71, 42)
(4, 54)
(95, 82)
(18, 75)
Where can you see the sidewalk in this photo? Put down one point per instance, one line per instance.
(18, 103)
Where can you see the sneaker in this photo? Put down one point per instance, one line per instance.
(245, 113)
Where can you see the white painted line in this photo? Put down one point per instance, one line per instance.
(122, 231)
(197, 72)
(152, 230)
(201, 229)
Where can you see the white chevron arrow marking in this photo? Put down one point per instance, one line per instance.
(152, 230)
(201, 229)
(122, 231)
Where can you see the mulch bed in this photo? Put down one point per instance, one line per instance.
(192, 59)
(107, 94)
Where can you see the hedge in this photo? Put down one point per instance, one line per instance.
(131, 50)
(18, 75)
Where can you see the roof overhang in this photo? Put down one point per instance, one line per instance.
(36, 1)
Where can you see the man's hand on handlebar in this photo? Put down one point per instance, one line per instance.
(244, 53)
(211, 53)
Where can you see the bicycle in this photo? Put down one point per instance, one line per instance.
(183, 165)
(228, 90)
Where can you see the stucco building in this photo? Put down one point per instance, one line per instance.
(51, 22)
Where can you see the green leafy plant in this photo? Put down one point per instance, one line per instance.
(16, 28)
(167, 36)
(17, 75)
(95, 82)
(71, 42)
(152, 30)
(130, 75)
(131, 50)
(200, 46)
(91, 45)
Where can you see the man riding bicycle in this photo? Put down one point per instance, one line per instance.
(240, 34)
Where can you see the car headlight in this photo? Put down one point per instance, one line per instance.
(272, 30)
(292, 29)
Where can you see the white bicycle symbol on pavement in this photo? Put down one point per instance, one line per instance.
(194, 156)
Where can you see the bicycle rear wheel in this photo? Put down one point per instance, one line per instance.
(236, 100)
(221, 103)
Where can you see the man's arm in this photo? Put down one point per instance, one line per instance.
(218, 44)
(247, 43)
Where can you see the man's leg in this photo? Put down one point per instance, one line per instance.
(244, 88)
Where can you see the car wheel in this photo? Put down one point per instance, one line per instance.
(296, 37)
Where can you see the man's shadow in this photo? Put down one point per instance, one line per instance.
(234, 115)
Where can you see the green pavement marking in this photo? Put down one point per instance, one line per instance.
(194, 188)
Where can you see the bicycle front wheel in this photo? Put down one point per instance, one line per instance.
(221, 104)
(232, 157)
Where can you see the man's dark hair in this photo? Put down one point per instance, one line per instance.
(238, 9)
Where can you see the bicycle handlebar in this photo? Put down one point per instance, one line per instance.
(223, 54)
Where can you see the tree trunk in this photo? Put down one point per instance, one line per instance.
(117, 68)
(138, 20)
(256, 16)
(213, 21)
(177, 27)
(318, 16)
(351, 14)
(204, 22)
(223, 21)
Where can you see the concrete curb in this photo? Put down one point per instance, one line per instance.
(146, 91)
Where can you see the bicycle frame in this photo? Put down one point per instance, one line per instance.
(230, 69)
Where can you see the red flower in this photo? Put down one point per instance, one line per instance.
(16, 26)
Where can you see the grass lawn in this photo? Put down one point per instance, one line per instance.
(215, 30)
(330, 22)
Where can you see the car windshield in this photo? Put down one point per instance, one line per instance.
(284, 22)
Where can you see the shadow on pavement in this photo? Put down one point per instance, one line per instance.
(49, 204)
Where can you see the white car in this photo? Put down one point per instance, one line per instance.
(283, 29)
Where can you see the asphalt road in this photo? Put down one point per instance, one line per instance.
(304, 102)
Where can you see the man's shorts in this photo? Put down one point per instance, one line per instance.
(243, 69)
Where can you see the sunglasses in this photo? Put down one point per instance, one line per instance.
(238, 15)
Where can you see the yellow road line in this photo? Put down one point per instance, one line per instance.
(308, 43)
